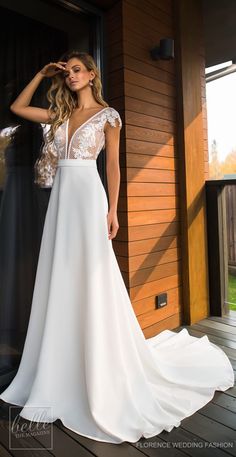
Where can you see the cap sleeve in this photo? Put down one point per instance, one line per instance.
(113, 117)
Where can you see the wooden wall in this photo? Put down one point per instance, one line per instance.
(144, 92)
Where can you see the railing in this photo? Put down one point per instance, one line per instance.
(221, 233)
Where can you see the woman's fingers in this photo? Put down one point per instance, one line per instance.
(112, 228)
(59, 67)
(62, 64)
(53, 68)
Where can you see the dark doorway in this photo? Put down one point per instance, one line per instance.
(32, 34)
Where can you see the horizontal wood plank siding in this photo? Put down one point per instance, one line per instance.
(148, 243)
(152, 176)
(151, 200)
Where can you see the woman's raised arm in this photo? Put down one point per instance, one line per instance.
(21, 105)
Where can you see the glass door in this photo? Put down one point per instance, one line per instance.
(32, 34)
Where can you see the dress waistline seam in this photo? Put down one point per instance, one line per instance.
(77, 163)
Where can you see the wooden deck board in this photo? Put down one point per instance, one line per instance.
(211, 430)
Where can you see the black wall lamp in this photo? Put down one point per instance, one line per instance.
(165, 51)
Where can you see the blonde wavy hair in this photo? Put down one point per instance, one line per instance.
(62, 100)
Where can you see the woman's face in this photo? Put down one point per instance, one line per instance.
(76, 74)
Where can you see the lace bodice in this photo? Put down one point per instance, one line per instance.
(88, 139)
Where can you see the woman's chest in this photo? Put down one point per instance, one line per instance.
(85, 141)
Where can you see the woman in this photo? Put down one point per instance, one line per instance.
(85, 359)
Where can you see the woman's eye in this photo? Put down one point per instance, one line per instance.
(76, 70)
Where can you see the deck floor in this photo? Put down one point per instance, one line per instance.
(211, 431)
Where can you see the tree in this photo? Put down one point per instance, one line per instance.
(214, 165)
(229, 164)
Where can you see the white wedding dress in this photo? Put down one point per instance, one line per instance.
(85, 357)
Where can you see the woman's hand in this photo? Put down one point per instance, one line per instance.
(112, 223)
(52, 68)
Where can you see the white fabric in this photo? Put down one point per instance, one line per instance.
(88, 139)
(85, 355)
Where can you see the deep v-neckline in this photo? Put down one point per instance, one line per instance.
(68, 143)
